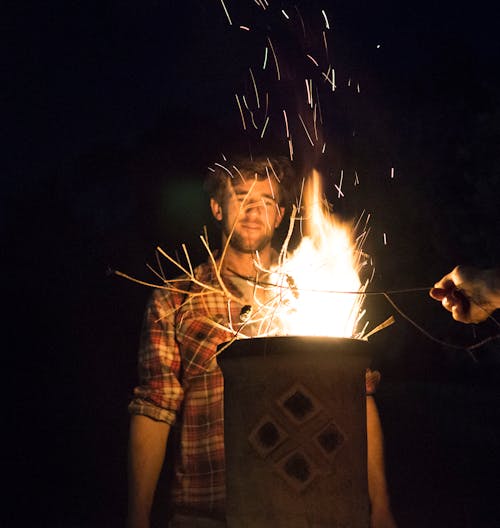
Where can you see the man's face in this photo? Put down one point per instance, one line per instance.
(249, 214)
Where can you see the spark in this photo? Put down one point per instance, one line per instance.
(264, 127)
(239, 173)
(356, 179)
(308, 89)
(307, 132)
(286, 124)
(250, 112)
(315, 124)
(264, 203)
(265, 58)
(299, 206)
(255, 88)
(319, 106)
(290, 147)
(262, 3)
(361, 237)
(392, 172)
(358, 88)
(385, 239)
(224, 168)
(274, 172)
(323, 150)
(253, 120)
(313, 60)
(325, 43)
(339, 186)
(241, 112)
(246, 28)
(270, 184)
(326, 19)
(284, 247)
(327, 77)
(275, 59)
(301, 21)
(361, 335)
(225, 11)
(285, 15)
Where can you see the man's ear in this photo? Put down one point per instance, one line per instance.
(279, 217)
(216, 209)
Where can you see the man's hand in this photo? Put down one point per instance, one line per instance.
(471, 295)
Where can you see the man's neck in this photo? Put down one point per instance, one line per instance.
(246, 264)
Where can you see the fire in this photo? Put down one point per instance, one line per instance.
(326, 263)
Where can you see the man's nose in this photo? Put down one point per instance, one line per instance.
(254, 208)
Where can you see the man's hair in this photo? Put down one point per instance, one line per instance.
(278, 168)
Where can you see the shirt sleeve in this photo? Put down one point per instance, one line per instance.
(159, 394)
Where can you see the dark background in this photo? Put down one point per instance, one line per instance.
(113, 111)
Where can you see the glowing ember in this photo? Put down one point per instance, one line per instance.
(325, 264)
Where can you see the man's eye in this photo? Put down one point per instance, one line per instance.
(251, 202)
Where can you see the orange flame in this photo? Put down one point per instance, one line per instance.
(322, 293)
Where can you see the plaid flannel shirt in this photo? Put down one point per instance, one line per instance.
(181, 382)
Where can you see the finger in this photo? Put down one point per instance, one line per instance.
(445, 282)
(460, 299)
(437, 293)
(459, 313)
(447, 303)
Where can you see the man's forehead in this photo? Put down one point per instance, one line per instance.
(262, 186)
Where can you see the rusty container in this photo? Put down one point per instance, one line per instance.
(295, 432)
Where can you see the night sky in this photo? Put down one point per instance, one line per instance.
(112, 113)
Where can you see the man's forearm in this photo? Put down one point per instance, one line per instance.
(377, 484)
(147, 443)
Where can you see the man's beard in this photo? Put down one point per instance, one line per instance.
(244, 245)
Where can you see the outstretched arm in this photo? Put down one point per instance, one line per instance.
(470, 294)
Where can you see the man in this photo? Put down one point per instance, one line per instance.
(470, 294)
(180, 380)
